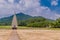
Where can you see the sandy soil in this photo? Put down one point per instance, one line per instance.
(14, 36)
(30, 34)
(4, 34)
(39, 34)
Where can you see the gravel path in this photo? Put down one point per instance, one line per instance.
(14, 36)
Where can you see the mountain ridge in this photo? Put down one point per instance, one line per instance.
(20, 17)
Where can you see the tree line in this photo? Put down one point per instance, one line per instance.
(39, 22)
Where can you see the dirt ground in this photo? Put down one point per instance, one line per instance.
(32, 34)
(39, 34)
(4, 34)
(14, 36)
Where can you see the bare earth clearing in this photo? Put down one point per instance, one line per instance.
(4, 34)
(30, 34)
(39, 34)
(14, 36)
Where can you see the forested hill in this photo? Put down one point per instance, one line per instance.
(8, 20)
(20, 18)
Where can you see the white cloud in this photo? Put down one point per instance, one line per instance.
(57, 16)
(30, 7)
(2, 1)
(11, 1)
(54, 2)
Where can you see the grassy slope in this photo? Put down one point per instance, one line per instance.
(5, 27)
(23, 27)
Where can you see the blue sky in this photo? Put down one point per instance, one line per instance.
(46, 8)
(53, 5)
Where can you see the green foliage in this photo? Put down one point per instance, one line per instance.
(29, 21)
(22, 23)
(5, 27)
(37, 24)
(8, 20)
(57, 23)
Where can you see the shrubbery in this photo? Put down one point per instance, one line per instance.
(41, 23)
(36, 22)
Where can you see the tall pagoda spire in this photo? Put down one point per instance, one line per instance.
(14, 21)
